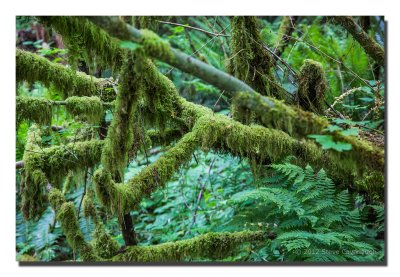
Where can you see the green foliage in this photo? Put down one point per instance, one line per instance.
(313, 221)
(188, 204)
(327, 142)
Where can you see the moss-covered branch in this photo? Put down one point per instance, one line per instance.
(299, 123)
(120, 134)
(87, 42)
(210, 245)
(271, 113)
(89, 109)
(259, 144)
(371, 47)
(34, 109)
(39, 110)
(55, 162)
(32, 67)
(174, 57)
(66, 214)
(33, 183)
(122, 198)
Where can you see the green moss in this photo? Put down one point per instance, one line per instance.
(250, 62)
(159, 93)
(166, 137)
(120, 133)
(34, 181)
(32, 68)
(312, 87)
(86, 41)
(86, 108)
(261, 145)
(147, 22)
(56, 198)
(103, 244)
(88, 206)
(33, 109)
(154, 46)
(275, 114)
(282, 39)
(66, 214)
(56, 162)
(211, 245)
(122, 198)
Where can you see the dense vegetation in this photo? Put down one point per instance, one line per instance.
(179, 139)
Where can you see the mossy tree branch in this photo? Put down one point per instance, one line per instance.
(272, 112)
(32, 67)
(371, 47)
(66, 214)
(257, 143)
(86, 108)
(210, 245)
(175, 57)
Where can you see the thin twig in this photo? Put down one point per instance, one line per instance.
(194, 28)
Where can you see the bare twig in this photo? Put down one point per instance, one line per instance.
(194, 28)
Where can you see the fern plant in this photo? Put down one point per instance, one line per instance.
(313, 221)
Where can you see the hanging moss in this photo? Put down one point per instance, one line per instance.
(56, 162)
(260, 144)
(34, 181)
(66, 214)
(250, 62)
(88, 206)
(210, 245)
(103, 244)
(86, 108)
(159, 93)
(299, 123)
(122, 198)
(312, 87)
(275, 114)
(33, 109)
(87, 42)
(120, 133)
(32, 68)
